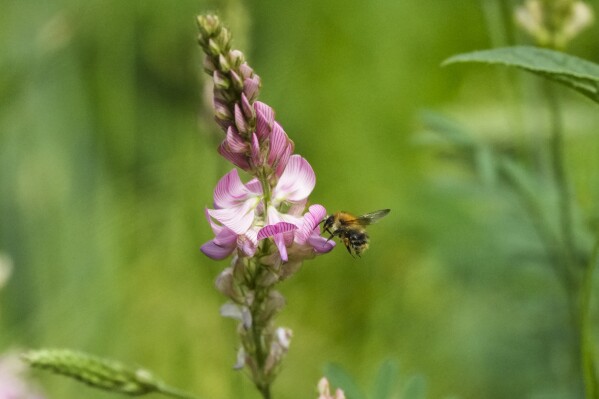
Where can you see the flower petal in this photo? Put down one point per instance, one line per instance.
(279, 144)
(284, 158)
(255, 150)
(247, 108)
(251, 87)
(246, 70)
(216, 252)
(239, 219)
(234, 141)
(312, 218)
(321, 244)
(237, 159)
(265, 118)
(296, 182)
(275, 229)
(216, 228)
(254, 186)
(240, 121)
(248, 242)
(230, 191)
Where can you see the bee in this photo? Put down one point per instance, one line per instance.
(351, 229)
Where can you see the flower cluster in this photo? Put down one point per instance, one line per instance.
(554, 23)
(272, 204)
(262, 223)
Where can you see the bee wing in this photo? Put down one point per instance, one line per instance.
(372, 217)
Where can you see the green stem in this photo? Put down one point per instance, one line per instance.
(560, 177)
(261, 352)
(174, 393)
(261, 294)
(586, 337)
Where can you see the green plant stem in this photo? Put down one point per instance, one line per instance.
(174, 393)
(560, 176)
(260, 295)
(586, 336)
(261, 352)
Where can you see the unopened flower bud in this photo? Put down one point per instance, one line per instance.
(209, 24)
(236, 79)
(213, 47)
(225, 283)
(278, 349)
(237, 312)
(284, 337)
(224, 40)
(221, 111)
(237, 59)
(241, 359)
(240, 121)
(247, 108)
(220, 81)
(246, 71)
(225, 65)
(209, 66)
(251, 88)
(273, 305)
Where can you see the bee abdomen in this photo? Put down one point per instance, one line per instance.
(358, 239)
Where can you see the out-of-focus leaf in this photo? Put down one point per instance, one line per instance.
(385, 380)
(339, 378)
(573, 72)
(519, 178)
(449, 129)
(485, 165)
(415, 388)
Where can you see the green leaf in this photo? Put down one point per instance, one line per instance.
(415, 388)
(447, 128)
(385, 380)
(573, 72)
(339, 378)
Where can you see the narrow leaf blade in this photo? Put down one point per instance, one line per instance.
(385, 380)
(339, 378)
(573, 72)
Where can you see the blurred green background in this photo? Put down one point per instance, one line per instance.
(107, 160)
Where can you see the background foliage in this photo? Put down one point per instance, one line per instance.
(107, 160)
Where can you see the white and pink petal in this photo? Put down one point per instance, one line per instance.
(297, 181)
(239, 218)
(230, 191)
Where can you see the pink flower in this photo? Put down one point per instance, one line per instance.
(236, 205)
(299, 240)
(291, 191)
(268, 145)
(238, 220)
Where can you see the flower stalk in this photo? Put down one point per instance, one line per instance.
(262, 225)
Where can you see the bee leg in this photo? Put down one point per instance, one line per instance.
(349, 250)
(332, 235)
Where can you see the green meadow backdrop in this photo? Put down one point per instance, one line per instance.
(107, 160)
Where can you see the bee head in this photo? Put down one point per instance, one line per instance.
(328, 222)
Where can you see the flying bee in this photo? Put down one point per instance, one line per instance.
(351, 229)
